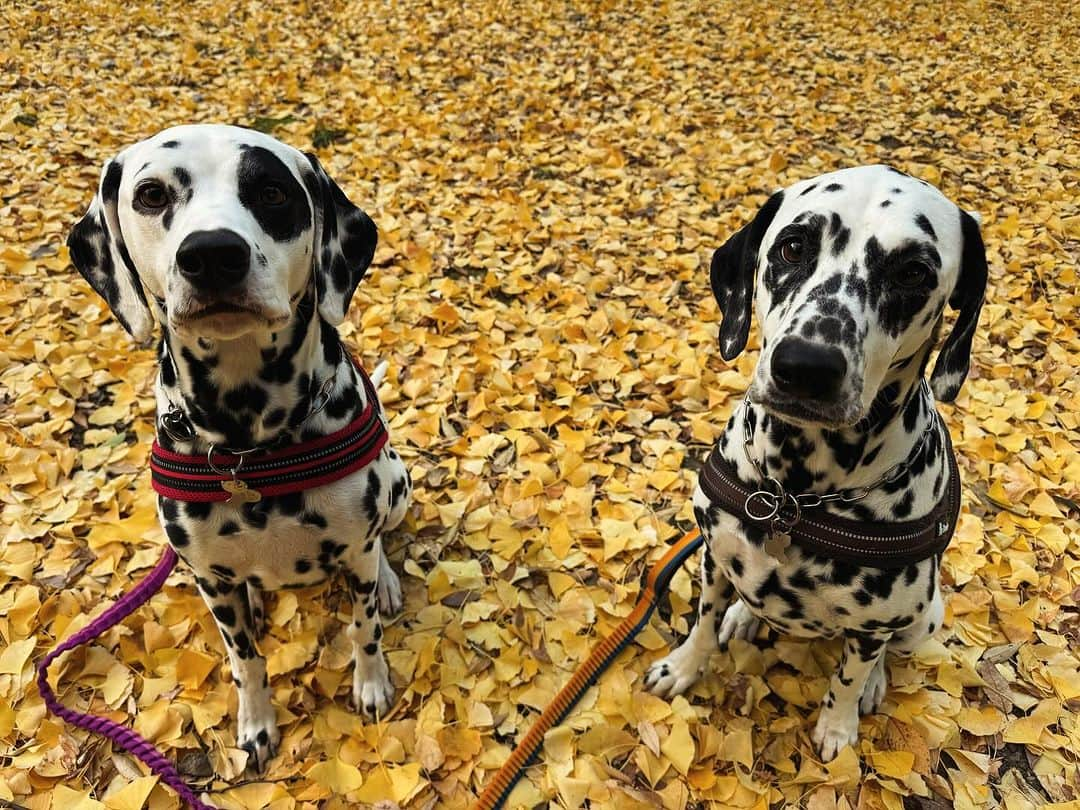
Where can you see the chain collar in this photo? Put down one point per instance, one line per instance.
(784, 509)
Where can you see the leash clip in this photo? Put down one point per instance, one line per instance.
(176, 425)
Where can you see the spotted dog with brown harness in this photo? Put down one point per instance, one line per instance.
(247, 254)
(833, 490)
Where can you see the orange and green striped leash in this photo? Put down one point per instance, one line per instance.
(602, 656)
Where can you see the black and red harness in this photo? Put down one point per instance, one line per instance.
(250, 475)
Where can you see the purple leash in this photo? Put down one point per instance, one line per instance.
(120, 735)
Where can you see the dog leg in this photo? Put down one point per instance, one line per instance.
(257, 611)
(257, 731)
(838, 722)
(373, 693)
(389, 588)
(675, 673)
(738, 622)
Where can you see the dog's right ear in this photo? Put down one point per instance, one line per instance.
(97, 250)
(732, 278)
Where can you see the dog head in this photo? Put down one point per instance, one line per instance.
(225, 227)
(850, 273)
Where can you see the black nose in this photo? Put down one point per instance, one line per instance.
(803, 369)
(213, 260)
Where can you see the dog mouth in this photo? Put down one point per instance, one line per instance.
(226, 314)
(809, 413)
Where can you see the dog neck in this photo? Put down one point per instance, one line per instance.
(255, 390)
(807, 459)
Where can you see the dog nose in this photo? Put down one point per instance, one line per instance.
(213, 259)
(810, 370)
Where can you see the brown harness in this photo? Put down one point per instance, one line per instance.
(877, 544)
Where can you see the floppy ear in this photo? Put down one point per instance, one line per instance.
(951, 366)
(732, 278)
(345, 239)
(98, 253)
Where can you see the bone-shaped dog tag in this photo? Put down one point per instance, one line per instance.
(240, 492)
(776, 544)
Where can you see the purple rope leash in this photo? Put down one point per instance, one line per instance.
(121, 735)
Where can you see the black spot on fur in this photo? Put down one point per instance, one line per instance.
(260, 168)
(925, 226)
(834, 187)
(228, 527)
(170, 144)
(313, 519)
(176, 534)
(808, 189)
(197, 510)
(225, 615)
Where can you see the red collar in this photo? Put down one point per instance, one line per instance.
(249, 478)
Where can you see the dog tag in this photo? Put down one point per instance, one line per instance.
(240, 492)
(776, 545)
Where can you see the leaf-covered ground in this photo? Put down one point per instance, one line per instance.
(549, 181)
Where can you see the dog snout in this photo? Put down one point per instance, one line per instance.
(809, 370)
(213, 260)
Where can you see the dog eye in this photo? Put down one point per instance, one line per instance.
(272, 195)
(152, 195)
(791, 251)
(910, 275)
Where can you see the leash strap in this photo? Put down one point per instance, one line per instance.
(122, 736)
(602, 656)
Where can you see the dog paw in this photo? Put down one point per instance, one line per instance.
(874, 690)
(738, 622)
(677, 672)
(373, 693)
(833, 731)
(388, 591)
(259, 736)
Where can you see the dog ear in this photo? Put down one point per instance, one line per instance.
(345, 239)
(732, 278)
(951, 366)
(98, 252)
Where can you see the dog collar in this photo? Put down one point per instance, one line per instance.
(877, 544)
(249, 475)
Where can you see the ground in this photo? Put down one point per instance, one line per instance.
(549, 181)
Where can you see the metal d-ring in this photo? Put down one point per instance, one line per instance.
(768, 498)
(234, 471)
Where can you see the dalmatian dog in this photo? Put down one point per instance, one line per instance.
(247, 255)
(850, 273)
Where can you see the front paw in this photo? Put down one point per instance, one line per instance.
(259, 736)
(677, 672)
(738, 622)
(835, 728)
(373, 693)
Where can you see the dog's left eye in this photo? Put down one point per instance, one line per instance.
(910, 275)
(272, 195)
(791, 251)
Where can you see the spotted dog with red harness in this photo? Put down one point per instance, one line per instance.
(833, 491)
(247, 254)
